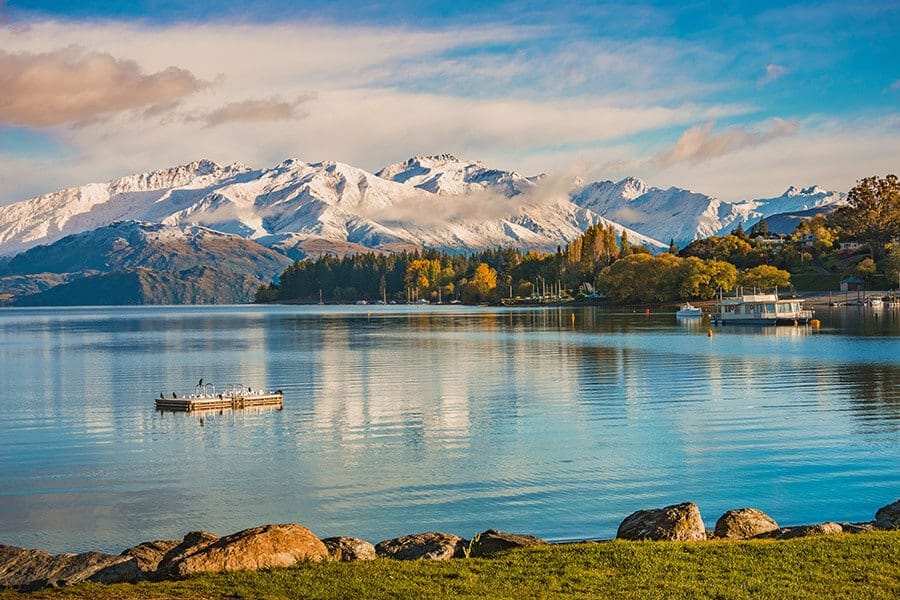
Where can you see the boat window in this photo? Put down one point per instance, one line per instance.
(770, 308)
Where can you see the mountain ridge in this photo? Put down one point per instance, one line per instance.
(435, 201)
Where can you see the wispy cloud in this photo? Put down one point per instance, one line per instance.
(773, 73)
(270, 109)
(895, 87)
(699, 143)
(71, 84)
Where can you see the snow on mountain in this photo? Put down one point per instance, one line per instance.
(793, 200)
(684, 215)
(147, 197)
(654, 212)
(437, 202)
(300, 208)
(447, 175)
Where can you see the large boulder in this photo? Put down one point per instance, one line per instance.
(492, 541)
(888, 517)
(430, 546)
(28, 570)
(262, 547)
(744, 523)
(149, 555)
(348, 549)
(829, 528)
(679, 522)
(193, 542)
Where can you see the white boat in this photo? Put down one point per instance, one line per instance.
(875, 302)
(761, 309)
(689, 310)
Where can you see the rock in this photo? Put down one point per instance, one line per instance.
(257, 548)
(29, 570)
(829, 528)
(744, 523)
(888, 517)
(430, 546)
(492, 541)
(858, 527)
(348, 549)
(149, 555)
(679, 522)
(192, 543)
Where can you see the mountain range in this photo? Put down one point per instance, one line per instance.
(297, 209)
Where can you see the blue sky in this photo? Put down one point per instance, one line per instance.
(734, 99)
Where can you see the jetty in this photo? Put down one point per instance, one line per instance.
(233, 398)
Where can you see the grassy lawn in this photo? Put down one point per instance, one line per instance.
(865, 566)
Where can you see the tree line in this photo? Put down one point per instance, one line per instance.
(603, 260)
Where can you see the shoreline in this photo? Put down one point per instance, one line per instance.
(289, 544)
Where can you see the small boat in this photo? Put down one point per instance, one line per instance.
(689, 310)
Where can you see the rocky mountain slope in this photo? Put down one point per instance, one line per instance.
(132, 262)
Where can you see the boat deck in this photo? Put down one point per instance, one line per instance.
(220, 401)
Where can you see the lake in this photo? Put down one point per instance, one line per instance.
(556, 422)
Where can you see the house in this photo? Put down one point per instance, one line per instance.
(807, 240)
(852, 284)
(850, 245)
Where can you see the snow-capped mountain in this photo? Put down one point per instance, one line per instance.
(437, 202)
(300, 208)
(445, 174)
(684, 215)
(793, 200)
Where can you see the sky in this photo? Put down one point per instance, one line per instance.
(734, 99)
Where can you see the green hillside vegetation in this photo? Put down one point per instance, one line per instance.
(810, 258)
(861, 566)
(198, 285)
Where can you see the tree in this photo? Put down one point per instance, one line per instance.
(892, 265)
(764, 276)
(760, 229)
(865, 269)
(872, 214)
(673, 249)
(483, 284)
(624, 245)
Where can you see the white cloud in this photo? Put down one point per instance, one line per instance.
(699, 144)
(830, 153)
(773, 73)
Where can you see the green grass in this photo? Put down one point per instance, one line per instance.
(865, 566)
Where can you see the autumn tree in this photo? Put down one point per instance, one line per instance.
(764, 276)
(872, 214)
(482, 286)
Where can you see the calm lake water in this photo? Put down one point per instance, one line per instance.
(398, 419)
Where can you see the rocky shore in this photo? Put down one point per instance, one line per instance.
(283, 545)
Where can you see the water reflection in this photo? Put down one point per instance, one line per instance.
(556, 422)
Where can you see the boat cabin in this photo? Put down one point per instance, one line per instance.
(761, 309)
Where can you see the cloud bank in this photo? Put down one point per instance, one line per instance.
(71, 84)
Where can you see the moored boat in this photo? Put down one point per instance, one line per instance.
(688, 310)
(761, 309)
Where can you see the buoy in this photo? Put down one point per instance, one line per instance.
(709, 333)
(815, 323)
(573, 318)
(647, 311)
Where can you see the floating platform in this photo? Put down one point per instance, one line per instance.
(232, 399)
